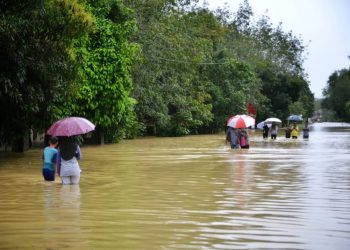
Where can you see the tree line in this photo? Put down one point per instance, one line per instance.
(337, 95)
(161, 67)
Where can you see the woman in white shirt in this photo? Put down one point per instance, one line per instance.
(68, 156)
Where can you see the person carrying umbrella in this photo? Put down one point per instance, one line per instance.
(274, 130)
(68, 156)
(69, 152)
(244, 139)
(232, 137)
(306, 131)
(265, 131)
(234, 124)
(295, 131)
(288, 132)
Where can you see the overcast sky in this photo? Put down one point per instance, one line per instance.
(323, 25)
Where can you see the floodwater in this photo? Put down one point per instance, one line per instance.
(191, 192)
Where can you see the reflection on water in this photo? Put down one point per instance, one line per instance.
(62, 216)
(186, 193)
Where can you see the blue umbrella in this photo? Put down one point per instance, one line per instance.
(295, 118)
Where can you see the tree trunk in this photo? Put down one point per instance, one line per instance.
(21, 144)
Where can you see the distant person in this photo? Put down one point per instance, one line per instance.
(274, 130)
(232, 137)
(265, 131)
(31, 137)
(295, 131)
(244, 139)
(50, 160)
(288, 132)
(306, 131)
(69, 154)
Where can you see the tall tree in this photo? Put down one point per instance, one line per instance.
(104, 94)
(37, 66)
(171, 97)
(277, 59)
(337, 94)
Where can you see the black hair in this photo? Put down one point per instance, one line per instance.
(68, 147)
(53, 140)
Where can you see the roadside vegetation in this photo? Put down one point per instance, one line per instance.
(160, 67)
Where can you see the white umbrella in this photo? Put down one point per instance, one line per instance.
(260, 125)
(273, 119)
(240, 121)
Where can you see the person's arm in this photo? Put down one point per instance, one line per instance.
(56, 169)
(55, 163)
(58, 163)
(78, 153)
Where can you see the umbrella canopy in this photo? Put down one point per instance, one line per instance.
(260, 125)
(71, 126)
(273, 119)
(295, 118)
(241, 121)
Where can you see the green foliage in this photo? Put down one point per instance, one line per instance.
(337, 94)
(347, 110)
(104, 92)
(171, 95)
(37, 66)
(129, 66)
(229, 61)
(276, 57)
(233, 86)
(288, 94)
(296, 108)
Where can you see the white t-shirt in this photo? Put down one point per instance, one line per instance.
(70, 167)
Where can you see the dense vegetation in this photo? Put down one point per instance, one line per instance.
(163, 67)
(201, 67)
(337, 94)
(37, 66)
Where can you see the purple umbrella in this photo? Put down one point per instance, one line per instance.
(71, 126)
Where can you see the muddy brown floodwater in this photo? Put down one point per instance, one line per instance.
(191, 192)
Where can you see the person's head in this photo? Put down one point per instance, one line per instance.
(68, 147)
(53, 141)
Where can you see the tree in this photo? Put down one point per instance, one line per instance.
(171, 97)
(37, 67)
(104, 92)
(337, 93)
(347, 110)
(190, 52)
(275, 56)
(234, 85)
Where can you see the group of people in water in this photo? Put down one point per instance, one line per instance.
(291, 131)
(60, 158)
(238, 138)
(294, 131)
